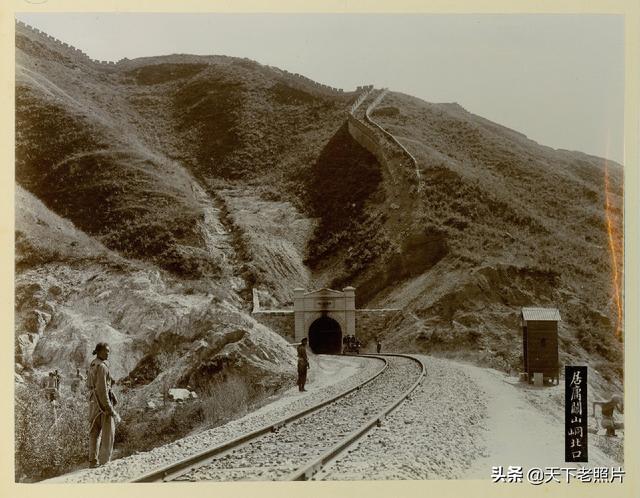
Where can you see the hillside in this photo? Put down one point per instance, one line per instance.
(154, 195)
(524, 224)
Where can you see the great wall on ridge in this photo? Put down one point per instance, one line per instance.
(79, 56)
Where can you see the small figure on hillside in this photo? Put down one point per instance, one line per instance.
(102, 415)
(58, 378)
(378, 345)
(608, 421)
(303, 364)
(77, 382)
(50, 387)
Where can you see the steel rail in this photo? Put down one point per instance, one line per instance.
(176, 469)
(307, 472)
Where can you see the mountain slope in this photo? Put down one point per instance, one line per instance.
(154, 195)
(526, 225)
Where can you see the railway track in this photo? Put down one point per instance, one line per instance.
(299, 446)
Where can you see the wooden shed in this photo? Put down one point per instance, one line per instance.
(540, 342)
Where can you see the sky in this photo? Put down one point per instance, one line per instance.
(559, 79)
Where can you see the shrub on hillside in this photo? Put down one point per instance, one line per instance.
(187, 265)
(163, 73)
(48, 441)
(52, 443)
(142, 430)
(388, 111)
(27, 254)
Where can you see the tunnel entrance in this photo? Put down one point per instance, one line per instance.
(325, 336)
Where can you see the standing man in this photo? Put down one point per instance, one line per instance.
(76, 383)
(102, 415)
(607, 407)
(378, 345)
(50, 387)
(57, 377)
(303, 364)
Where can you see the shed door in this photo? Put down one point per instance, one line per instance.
(524, 349)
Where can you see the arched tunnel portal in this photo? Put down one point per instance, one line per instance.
(325, 336)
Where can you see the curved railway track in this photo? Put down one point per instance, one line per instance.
(173, 470)
(297, 447)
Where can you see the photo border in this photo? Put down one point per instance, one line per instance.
(441, 489)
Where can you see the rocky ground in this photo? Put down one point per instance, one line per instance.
(294, 447)
(437, 434)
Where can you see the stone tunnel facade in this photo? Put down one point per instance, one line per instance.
(325, 317)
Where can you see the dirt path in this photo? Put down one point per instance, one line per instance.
(517, 432)
(458, 424)
(324, 371)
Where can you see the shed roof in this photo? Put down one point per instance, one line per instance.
(541, 314)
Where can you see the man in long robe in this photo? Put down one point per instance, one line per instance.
(102, 415)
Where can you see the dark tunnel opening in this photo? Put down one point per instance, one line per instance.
(325, 336)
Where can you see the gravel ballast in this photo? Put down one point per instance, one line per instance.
(345, 372)
(432, 435)
(276, 455)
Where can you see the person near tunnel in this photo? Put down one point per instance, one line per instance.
(303, 364)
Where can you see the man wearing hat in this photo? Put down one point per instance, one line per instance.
(102, 415)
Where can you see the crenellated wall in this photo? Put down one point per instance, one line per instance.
(383, 145)
(304, 83)
(66, 49)
(366, 90)
(366, 138)
(292, 79)
(407, 155)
